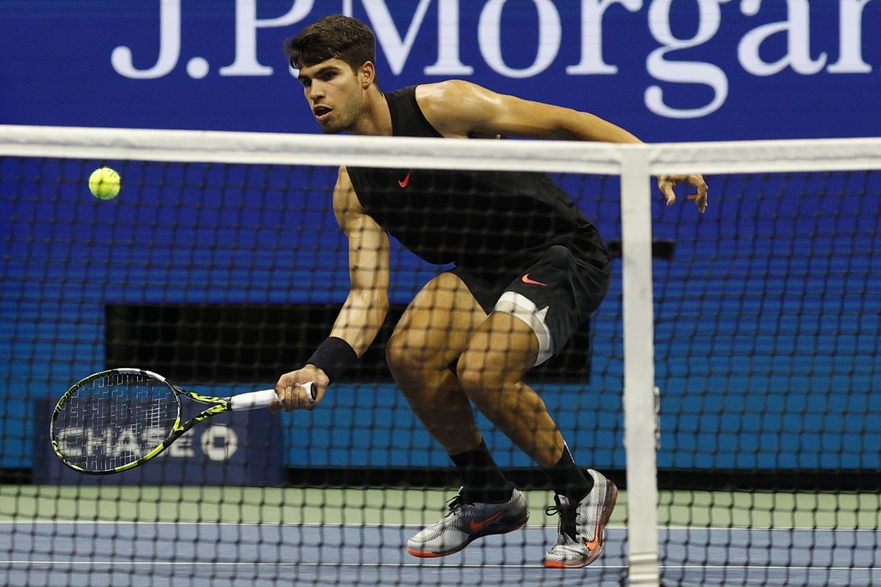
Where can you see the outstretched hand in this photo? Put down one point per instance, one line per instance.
(666, 183)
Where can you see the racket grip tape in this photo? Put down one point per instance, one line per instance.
(262, 399)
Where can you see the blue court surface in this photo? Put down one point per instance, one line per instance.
(94, 554)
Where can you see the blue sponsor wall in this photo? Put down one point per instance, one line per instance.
(669, 70)
(675, 70)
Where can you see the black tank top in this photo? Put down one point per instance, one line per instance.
(489, 222)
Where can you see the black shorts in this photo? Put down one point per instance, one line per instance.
(554, 295)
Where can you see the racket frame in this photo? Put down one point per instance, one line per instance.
(218, 405)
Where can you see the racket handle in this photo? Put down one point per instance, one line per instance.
(261, 399)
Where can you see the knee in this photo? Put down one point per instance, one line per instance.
(471, 375)
(408, 355)
(477, 380)
(397, 354)
(491, 380)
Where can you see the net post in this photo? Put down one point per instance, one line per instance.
(639, 367)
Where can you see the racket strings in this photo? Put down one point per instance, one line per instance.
(114, 420)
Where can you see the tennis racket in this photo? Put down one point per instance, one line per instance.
(118, 419)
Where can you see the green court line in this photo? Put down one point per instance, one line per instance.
(415, 507)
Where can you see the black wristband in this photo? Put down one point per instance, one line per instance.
(333, 356)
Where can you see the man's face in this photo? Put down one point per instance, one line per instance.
(334, 93)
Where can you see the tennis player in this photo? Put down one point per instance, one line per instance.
(528, 269)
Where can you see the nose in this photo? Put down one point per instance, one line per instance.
(315, 91)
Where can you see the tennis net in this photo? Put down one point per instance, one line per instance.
(749, 333)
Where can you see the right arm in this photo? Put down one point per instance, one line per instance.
(366, 305)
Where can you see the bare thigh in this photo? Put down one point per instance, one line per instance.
(436, 327)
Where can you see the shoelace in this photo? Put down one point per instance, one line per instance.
(568, 514)
(456, 503)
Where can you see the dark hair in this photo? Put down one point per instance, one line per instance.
(332, 37)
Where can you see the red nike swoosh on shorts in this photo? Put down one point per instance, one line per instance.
(526, 279)
(475, 526)
(404, 182)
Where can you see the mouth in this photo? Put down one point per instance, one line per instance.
(321, 113)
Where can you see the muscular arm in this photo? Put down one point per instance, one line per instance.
(365, 307)
(459, 109)
(367, 304)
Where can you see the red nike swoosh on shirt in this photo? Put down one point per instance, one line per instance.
(526, 279)
(475, 526)
(404, 182)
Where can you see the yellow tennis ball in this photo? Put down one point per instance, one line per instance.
(104, 183)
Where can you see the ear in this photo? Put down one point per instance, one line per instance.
(367, 74)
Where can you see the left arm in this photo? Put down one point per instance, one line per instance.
(459, 109)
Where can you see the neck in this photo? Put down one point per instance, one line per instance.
(376, 120)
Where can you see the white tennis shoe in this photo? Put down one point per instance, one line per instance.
(467, 522)
(582, 526)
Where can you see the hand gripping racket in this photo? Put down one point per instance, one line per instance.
(118, 419)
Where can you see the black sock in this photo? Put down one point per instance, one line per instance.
(567, 479)
(481, 478)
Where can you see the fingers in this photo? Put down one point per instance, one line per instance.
(300, 390)
(666, 183)
(297, 397)
(669, 194)
(700, 198)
